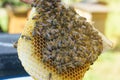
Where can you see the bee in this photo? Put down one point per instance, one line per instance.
(71, 53)
(59, 69)
(53, 55)
(39, 31)
(54, 31)
(64, 68)
(70, 25)
(84, 27)
(47, 52)
(49, 20)
(50, 76)
(45, 58)
(47, 36)
(62, 32)
(15, 44)
(48, 4)
(59, 43)
(66, 59)
(35, 3)
(40, 10)
(49, 47)
(34, 32)
(92, 58)
(82, 18)
(58, 57)
(80, 62)
(75, 58)
(25, 37)
(35, 17)
(87, 24)
(54, 22)
(70, 64)
(71, 44)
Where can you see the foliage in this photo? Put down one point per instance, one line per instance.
(11, 2)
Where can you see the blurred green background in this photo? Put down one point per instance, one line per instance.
(107, 67)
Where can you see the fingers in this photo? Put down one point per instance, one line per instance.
(27, 1)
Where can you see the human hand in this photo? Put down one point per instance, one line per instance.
(27, 1)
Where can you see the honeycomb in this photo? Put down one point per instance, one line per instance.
(29, 54)
(31, 47)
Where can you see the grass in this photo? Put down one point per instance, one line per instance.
(107, 67)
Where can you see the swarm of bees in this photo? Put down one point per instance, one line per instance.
(70, 40)
(57, 43)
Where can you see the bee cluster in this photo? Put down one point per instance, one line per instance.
(70, 41)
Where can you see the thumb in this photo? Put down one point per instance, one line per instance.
(27, 1)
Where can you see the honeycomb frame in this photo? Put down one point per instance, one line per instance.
(30, 59)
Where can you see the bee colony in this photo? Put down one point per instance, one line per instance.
(57, 43)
